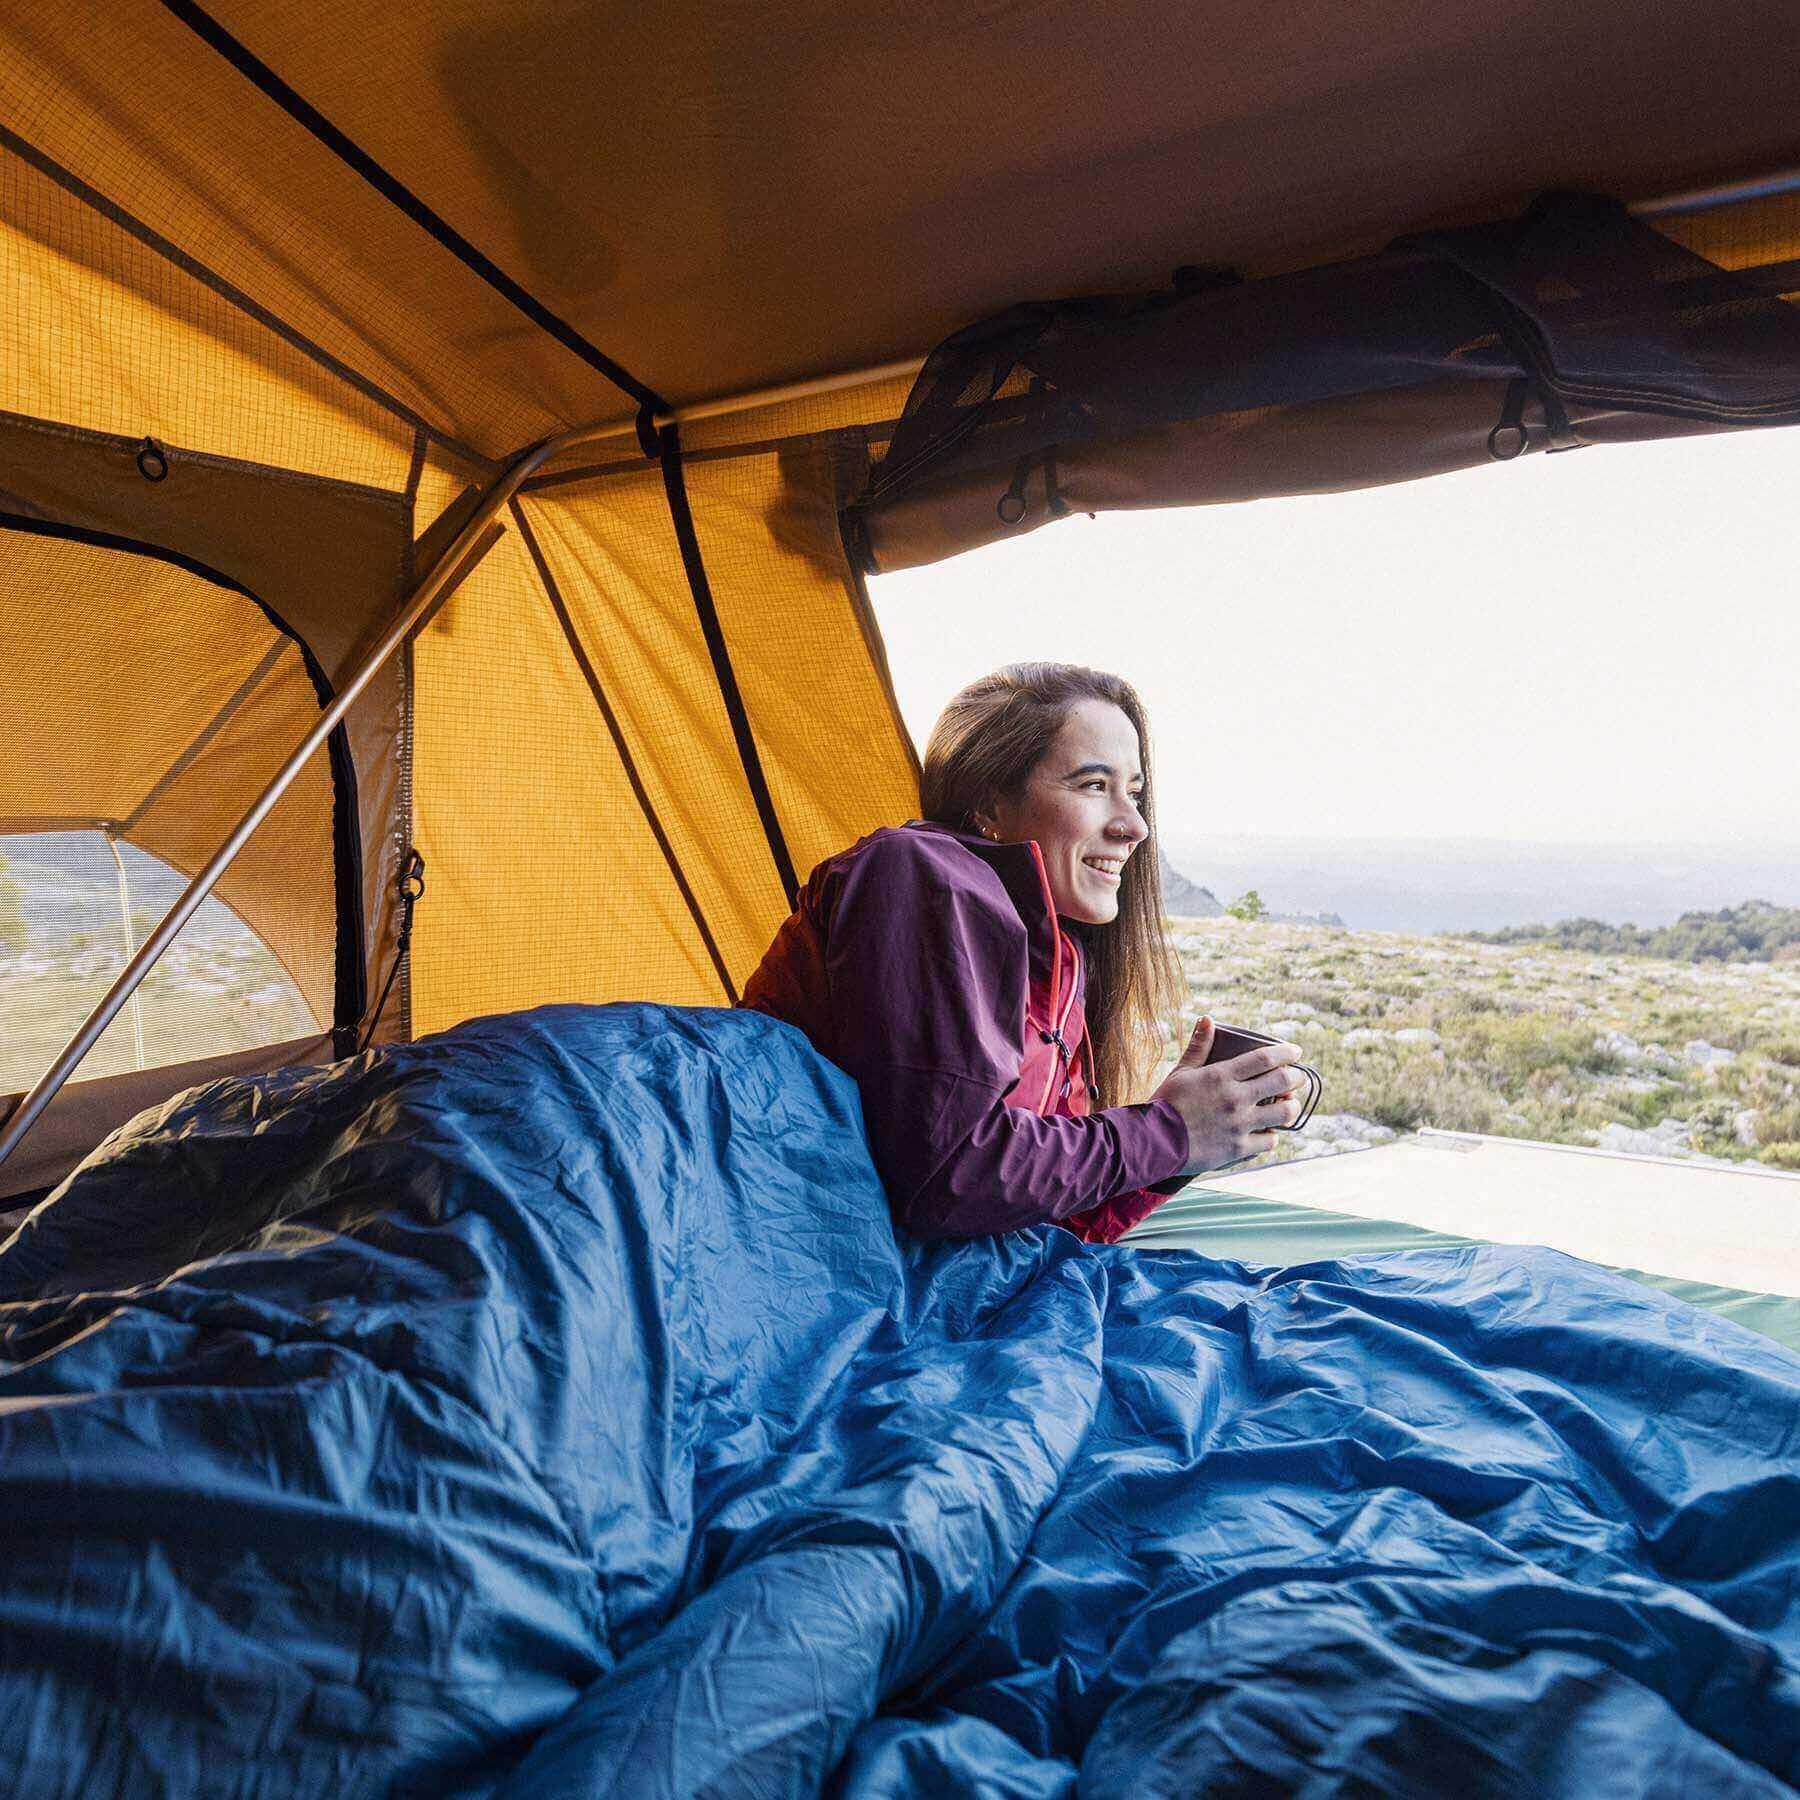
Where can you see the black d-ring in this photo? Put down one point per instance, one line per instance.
(152, 461)
(1493, 441)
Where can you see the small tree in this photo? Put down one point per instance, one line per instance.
(1248, 905)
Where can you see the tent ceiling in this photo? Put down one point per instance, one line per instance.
(727, 193)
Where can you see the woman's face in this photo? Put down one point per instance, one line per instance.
(1081, 805)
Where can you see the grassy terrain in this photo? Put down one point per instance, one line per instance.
(1516, 1040)
(201, 999)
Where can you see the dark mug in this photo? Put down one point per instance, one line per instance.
(1233, 1040)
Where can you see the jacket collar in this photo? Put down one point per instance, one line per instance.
(1020, 868)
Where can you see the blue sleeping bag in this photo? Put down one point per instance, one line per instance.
(547, 1408)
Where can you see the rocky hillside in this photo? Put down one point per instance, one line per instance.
(1697, 1060)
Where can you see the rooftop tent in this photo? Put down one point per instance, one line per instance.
(327, 328)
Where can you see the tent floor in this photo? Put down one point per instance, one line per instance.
(1725, 1239)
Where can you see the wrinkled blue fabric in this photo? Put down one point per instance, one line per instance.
(548, 1408)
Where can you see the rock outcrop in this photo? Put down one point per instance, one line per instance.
(1184, 899)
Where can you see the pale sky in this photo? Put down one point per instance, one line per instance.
(1602, 646)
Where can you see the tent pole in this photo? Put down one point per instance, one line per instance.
(1723, 193)
(725, 404)
(483, 529)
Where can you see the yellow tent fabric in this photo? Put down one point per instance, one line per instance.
(338, 265)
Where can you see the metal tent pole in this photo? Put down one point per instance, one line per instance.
(1721, 193)
(723, 405)
(129, 932)
(478, 535)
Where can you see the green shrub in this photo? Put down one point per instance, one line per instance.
(1513, 1046)
(1778, 1124)
(1785, 1155)
(1517, 1049)
(1642, 1111)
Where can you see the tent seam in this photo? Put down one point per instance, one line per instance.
(553, 594)
(153, 240)
(396, 193)
(206, 459)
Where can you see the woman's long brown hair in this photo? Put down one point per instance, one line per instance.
(983, 748)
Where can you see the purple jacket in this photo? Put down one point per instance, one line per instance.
(929, 965)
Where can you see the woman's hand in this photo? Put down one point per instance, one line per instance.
(1221, 1104)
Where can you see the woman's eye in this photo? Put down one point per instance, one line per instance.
(1098, 786)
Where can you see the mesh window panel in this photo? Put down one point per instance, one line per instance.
(548, 880)
(809, 663)
(70, 918)
(129, 102)
(141, 700)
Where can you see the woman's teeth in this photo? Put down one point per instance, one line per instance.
(1109, 866)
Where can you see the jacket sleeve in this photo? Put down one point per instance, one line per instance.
(928, 978)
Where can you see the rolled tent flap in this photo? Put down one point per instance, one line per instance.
(1573, 324)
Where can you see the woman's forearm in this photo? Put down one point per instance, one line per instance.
(959, 1162)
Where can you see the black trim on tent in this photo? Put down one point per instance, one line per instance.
(152, 239)
(303, 113)
(350, 977)
(668, 441)
(626, 761)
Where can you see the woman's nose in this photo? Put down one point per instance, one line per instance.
(1130, 825)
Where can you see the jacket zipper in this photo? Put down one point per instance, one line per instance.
(1055, 1034)
(1067, 1061)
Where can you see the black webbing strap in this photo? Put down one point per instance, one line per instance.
(1556, 420)
(410, 884)
(646, 432)
(668, 442)
(303, 113)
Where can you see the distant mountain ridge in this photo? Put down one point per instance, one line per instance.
(1185, 899)
(1487, 884)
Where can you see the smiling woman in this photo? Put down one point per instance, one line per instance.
(988, 972)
